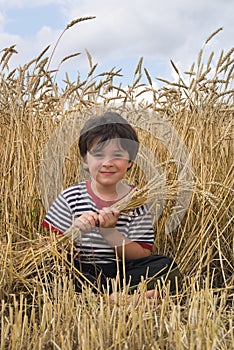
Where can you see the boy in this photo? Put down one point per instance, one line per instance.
(110, 242)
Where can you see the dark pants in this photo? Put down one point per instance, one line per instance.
(153, 269)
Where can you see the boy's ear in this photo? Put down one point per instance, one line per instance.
(85, 165)
(129, 165)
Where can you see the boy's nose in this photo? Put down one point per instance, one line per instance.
(108, 161)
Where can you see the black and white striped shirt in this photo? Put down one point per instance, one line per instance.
(78, 199)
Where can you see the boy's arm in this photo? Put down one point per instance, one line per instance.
(124, 246)
(130, 249)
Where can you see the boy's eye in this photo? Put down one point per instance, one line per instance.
(97, 154)
(118, 155)
(115, 155)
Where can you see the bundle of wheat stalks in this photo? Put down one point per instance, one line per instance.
(39, 255)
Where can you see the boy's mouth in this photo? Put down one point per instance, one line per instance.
(107, 172)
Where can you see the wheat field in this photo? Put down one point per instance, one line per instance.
(39, 307)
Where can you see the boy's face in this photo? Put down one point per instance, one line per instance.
(108, 163)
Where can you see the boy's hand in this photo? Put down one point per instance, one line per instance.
(108, 217)
(87, 221)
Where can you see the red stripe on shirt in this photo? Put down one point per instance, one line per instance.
(52, 228)
(146, 245)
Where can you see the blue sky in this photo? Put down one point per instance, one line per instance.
(25, 21)
(122, 32)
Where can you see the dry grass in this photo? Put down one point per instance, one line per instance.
(39, 307)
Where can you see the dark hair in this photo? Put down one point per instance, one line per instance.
(106, 127)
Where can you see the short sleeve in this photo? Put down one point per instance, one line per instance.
(141, 226)
(59, 216)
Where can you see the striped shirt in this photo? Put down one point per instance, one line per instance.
(78, 199)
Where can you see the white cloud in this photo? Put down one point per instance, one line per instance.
(150, 28)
